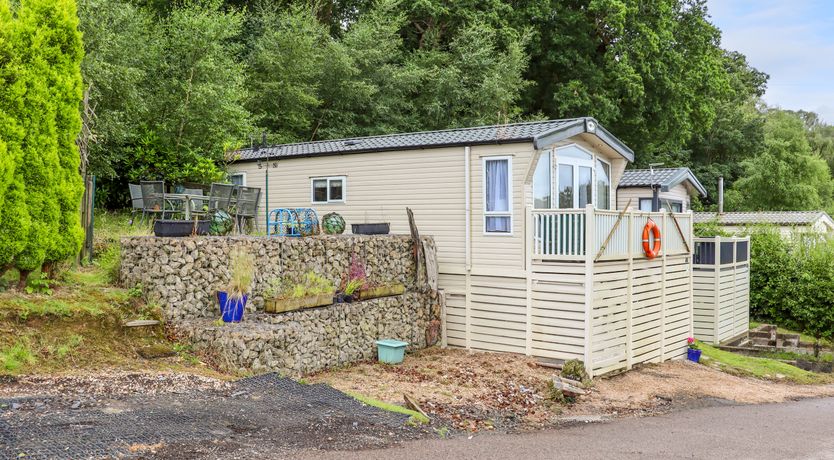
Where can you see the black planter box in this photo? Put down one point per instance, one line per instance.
(371, 229)
(168, 227)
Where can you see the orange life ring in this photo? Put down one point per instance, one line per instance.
(651, 252)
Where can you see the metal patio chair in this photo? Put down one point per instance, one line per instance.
(246, 206)
(136, 205)
(220, 197)
(153, 199)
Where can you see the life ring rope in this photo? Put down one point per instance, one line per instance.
(651, 251)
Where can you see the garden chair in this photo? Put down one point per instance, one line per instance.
(153, 199)
(136, 204)
(220, 197)
(246, 206)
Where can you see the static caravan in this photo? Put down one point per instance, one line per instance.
(788, 222)
(532, 255)
(655, 189)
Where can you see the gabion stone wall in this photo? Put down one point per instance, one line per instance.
(182, 275)
(310, 340)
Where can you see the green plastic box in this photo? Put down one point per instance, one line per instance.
(391, 351)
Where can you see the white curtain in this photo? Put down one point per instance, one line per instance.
(497, 185)
(498, 195)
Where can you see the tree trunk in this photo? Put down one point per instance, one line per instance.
(48, 270)
(21, 282)
(816, 347)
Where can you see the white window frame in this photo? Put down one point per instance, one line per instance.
(611, 199)
(239, 173)
(551, 175)
(575, 163)
(328, 179)
(509, 212)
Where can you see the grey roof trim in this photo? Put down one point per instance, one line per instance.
(539, 133)
(666, 179)
(583, 125)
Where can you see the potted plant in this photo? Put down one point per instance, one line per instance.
(371, 229)
(283, 296)
(233, 298)
(382, 290)
(180, 228)
(349, 292)
(693, 353)
(355, 281)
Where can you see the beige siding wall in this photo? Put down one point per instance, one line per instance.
(495, 250)
(676, 193)
(379, 187)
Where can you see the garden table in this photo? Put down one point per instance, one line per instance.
(187, 199)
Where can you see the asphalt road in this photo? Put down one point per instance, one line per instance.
(803, 429)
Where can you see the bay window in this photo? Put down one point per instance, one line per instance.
(580, 180)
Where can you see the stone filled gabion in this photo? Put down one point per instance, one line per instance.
(182, 275)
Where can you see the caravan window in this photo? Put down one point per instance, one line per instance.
(328, 189)
(498, 186)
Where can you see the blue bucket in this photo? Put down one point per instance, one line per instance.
(231, 307)
(390, 351)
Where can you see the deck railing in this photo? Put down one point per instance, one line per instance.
(576, 234)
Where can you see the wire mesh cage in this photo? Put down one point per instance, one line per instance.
(293, 222)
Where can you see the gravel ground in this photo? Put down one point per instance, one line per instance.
(185, 417)
(475, 391)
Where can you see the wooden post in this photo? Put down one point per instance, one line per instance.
(590, 225)
(691, 274)
(528, 268)
(663, 262)
(629, 292)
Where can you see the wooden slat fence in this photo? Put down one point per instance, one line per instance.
(721, 288)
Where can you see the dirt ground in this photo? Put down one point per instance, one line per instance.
(484, 391)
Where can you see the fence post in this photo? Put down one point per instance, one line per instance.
(528, 266)
(590, 226)
(629, 291)
(717, 275)
(663, 227)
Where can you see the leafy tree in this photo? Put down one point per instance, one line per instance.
(287, 64)
(787, 175)
(64, 55)
(651, 71)
(14, 217)
(195, 96)
(48, 45)
(121, 44)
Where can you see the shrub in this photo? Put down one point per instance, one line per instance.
(792, 282)
(575, 370)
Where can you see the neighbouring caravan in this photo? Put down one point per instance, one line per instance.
(655, 189)
(533, 256)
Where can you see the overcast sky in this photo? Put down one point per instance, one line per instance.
(791, 40)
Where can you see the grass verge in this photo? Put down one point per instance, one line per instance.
(415, 417)
(762, 368)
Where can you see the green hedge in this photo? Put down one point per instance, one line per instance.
(792, 282)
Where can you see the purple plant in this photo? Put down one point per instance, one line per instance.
(357, 271)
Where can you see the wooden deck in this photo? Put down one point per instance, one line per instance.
(588, 292)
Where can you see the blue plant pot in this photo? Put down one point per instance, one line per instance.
(231, 307)
(693, 355)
